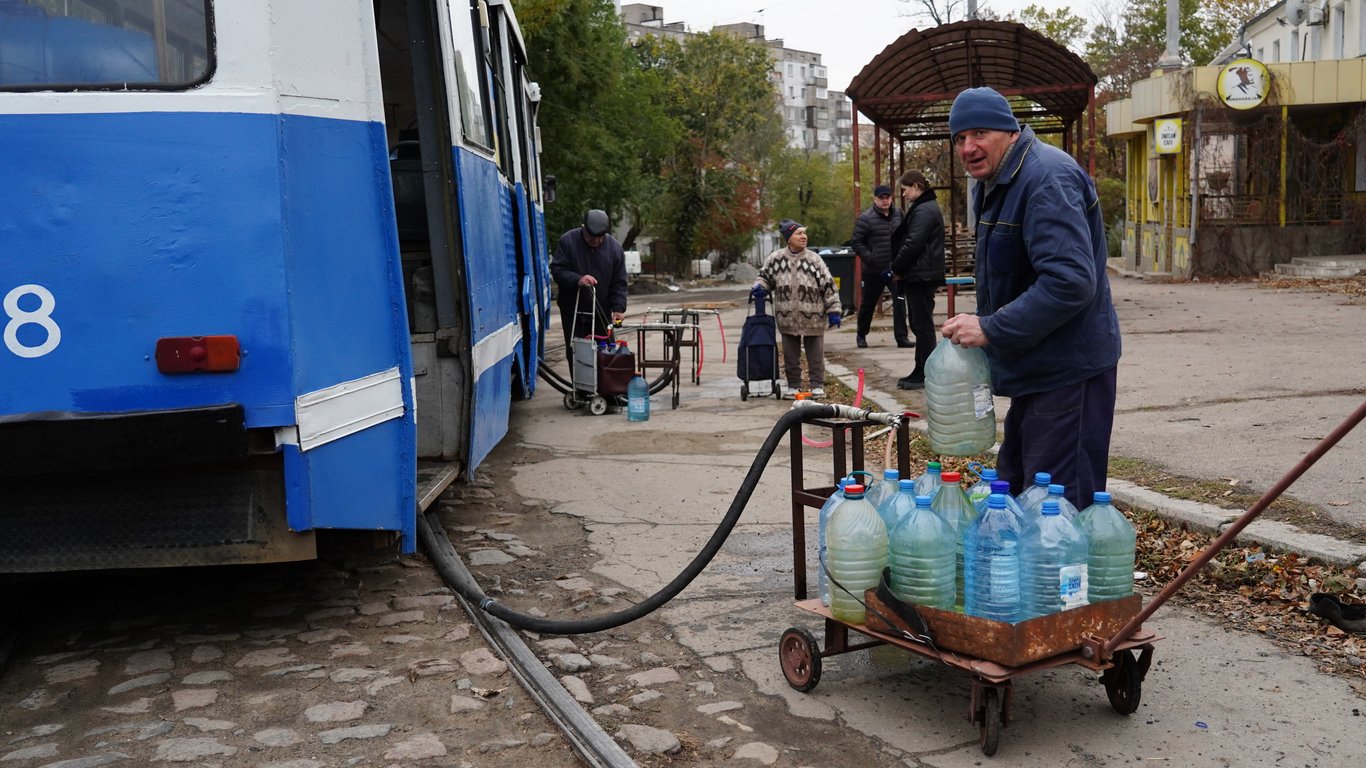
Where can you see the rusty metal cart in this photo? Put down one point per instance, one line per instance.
(1102, 637)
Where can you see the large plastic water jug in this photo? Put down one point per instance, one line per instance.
(951, 503)
(959, 411)
(928, 482)
(1110, 541)
(1035, 492)
(637, 398)
(884, 489)
(1003, 487)
(991, 564)
(1052, 563)
(822, 585)
(894, 507)
(921, 554)
(856, 548)
(1055, 493)
(981, 489)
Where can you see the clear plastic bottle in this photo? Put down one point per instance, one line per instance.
(921, 555)
(622, 349)
(928, 483)
(637, 398)
(981, 489)
(991, 564)
(959, 411)
(951, 503)
(1111, 541)
(856, 547)
(1052, 563)
(1055, 493)
(822, 583)
(894, 507)
(1003, 487)
(884, 489)
(1034, 492)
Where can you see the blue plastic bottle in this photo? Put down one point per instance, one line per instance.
(928, 483)
(1111, 543)
(894, 507)
(880, 491)
(951, 503)
(1055, 493)
(981, 489)
(856, 547)
(958, 404)
(991, 564)
(1003, 487)
(822, 584)
(637, 398)
(921, 554)
(1034, 492)
(1052, 563)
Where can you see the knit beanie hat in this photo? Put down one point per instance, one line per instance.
(981, 108)
(786, 227)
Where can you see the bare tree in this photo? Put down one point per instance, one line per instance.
(936, 11)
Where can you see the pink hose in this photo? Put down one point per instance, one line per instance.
(858, 398)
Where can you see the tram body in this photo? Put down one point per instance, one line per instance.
(257, 257)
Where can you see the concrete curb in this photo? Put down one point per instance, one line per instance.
(1270, 534)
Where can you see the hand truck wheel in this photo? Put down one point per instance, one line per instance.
(989, 727)
(744, 392)
(597, 405)
(800, 659)
(777, 391)
(572, 402)
(1124, 683)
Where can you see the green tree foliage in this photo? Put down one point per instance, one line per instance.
(809, 187)
(1061, 26)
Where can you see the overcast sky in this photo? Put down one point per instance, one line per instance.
(847, 34)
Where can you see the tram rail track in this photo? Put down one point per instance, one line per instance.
(594, 746)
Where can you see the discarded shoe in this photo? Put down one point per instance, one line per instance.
(910, 382)
(1348, 618)
(861, 342)
(905, 343)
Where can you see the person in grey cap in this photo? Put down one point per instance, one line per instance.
(805, 304)
(1044, 312)
(872, 243)
(589, 264)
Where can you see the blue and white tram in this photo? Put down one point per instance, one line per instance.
(256, 259)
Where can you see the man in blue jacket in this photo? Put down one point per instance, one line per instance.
(1044, 313)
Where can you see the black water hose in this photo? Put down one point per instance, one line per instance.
(448, 563)
(564, 386)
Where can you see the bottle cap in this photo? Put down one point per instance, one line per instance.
(891, 474)
(996, 501)
(988, 474)
(905, 484)
(1042, 478)
(1101, 497)
(933, 466)
(1050, 507)
(1056, 490)
(1000, 486)
(923, 501)
(950, 478)
(853, 491)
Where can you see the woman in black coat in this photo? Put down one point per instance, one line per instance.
(918, 245)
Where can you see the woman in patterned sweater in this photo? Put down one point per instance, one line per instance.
(805, 302)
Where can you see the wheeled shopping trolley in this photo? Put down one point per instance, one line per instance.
(598, 376)
(757, 353)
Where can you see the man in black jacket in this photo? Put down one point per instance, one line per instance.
(872, 242)
(589, 264)
(918, 266)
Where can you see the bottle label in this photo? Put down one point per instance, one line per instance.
(1072, 586)
(981, 401)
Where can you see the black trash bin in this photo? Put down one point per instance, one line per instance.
(840, 262)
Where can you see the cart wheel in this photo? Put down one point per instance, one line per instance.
(744, 392)
(675, 404)
(597, 405)
(571, 402)
(777, 391)
(1124, 683)
(989, 728)
(800, 659)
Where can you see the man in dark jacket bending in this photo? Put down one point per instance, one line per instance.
(1044, 313)
(872, 242)
(589, 264)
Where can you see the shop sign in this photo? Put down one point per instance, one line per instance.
(1243, 84)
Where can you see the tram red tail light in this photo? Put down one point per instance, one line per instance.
(198, 354)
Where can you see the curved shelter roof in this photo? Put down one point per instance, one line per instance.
(908, 88)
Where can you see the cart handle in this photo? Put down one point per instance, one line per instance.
(1235, 528)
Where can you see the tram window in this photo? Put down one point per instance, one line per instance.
(468, 73)
(94, 44)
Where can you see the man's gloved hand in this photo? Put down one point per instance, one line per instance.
(887, 274)
(758, 292)
(834, 319)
